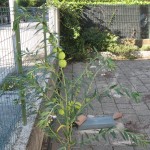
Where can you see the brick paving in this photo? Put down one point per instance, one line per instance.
(134, 75)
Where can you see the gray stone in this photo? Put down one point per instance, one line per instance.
(123, 148)
(108, 105)
(130, 117)
(127, 111)
(124, 106)
(92, 147)
(142, 148)
(122, 100)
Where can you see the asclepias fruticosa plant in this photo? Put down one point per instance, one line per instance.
(64, 98)
(72, 96)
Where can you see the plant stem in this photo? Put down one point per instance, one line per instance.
(23, 107)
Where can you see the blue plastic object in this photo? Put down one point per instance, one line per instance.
(97, 123)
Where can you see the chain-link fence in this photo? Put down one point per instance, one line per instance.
(30, 39)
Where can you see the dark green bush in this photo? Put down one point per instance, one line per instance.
(78, 40)
(30, 3)
(101, 40)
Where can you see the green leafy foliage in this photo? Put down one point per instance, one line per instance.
(64, 99)
(3, 2)
(101, 40)
(30, 3)
(123, 49)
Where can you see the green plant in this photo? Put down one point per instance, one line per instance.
(145, 48)
(78, 38)
(30, 3)
(70, 30)
(101, 40)
(125, 51)
(69, 98)
(3, 3)
(121, 49)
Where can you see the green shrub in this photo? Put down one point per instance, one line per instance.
(101, 40)
(70, 30)
(77, 40)
(145, 48)
(123, 50)
(30, 3)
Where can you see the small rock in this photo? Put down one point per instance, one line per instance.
(120, 126)
(123, 143)
(90, 116)
(115, 94)
(117, 115)
(91, 67)
(80, 120)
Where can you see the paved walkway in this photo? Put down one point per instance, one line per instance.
(135, 75)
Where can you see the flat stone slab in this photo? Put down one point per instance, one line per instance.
(97, 123)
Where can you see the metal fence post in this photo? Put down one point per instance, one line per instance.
(17, 51)
(18, 43)
(57, 24)
(44, 32)
(54, 20)
(16, 35)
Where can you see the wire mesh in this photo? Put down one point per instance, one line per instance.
(126, 21)
(31, 42)
(10, 113)
(31, 36)
(7, 63)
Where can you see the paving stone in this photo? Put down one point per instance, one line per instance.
(141, 109)
(108, 105)
(96, 103)
(141, 89)
(96, 112)
(147, 130)
(143, 112)
(123, 148)
(124, 106)
(140, 106)
(130, 117)
(133, 75)
(107, 100)
(88, 138)
(109, 110)
(122, 100)
(91, 147)
(143, 118)
(145, 80)
(123, 80)
(100, 83)
(101, 147)
(148, 104)
(142, 148)
(148, 86)
(127, 111)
